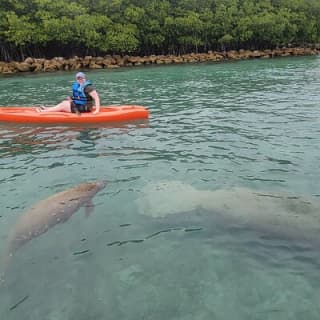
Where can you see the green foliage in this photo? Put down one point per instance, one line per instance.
(20, 30)
(122, 38)
(46, 27)
(188, 30)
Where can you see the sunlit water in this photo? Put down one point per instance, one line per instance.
(211, 210)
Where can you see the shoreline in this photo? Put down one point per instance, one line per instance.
(117, 61)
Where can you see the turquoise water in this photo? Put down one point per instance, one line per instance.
(211, 210)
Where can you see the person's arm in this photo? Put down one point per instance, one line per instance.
(96, 99)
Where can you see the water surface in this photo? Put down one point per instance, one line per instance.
(223, 140)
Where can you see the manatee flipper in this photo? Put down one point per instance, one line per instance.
(88, 208)
(4, 263)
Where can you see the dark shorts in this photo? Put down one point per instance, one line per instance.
(80, 108)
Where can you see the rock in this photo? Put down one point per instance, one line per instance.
(116, 61)
(22, 66)
(94, 65)
(29, 60)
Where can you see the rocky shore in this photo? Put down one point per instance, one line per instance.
(116, 61)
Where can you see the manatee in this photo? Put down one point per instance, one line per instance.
(47, 213)
(281, 216)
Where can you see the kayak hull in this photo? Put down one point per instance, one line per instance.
(107, 114)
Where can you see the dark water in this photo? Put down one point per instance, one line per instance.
(211, 209)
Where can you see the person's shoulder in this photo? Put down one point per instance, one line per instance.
(89, 87)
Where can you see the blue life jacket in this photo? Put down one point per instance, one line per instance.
(78, 95)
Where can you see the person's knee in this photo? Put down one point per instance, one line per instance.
(66, 103)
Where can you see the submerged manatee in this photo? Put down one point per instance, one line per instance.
(51, 211)
(275, 215)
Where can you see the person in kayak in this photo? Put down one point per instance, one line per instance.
(83, 96)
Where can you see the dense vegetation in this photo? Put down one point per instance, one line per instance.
(47, 28)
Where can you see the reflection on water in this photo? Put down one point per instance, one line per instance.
(211, 210)
(21, 139)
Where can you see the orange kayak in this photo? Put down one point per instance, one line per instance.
(106, 114)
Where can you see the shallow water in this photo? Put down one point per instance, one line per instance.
(211, 210)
